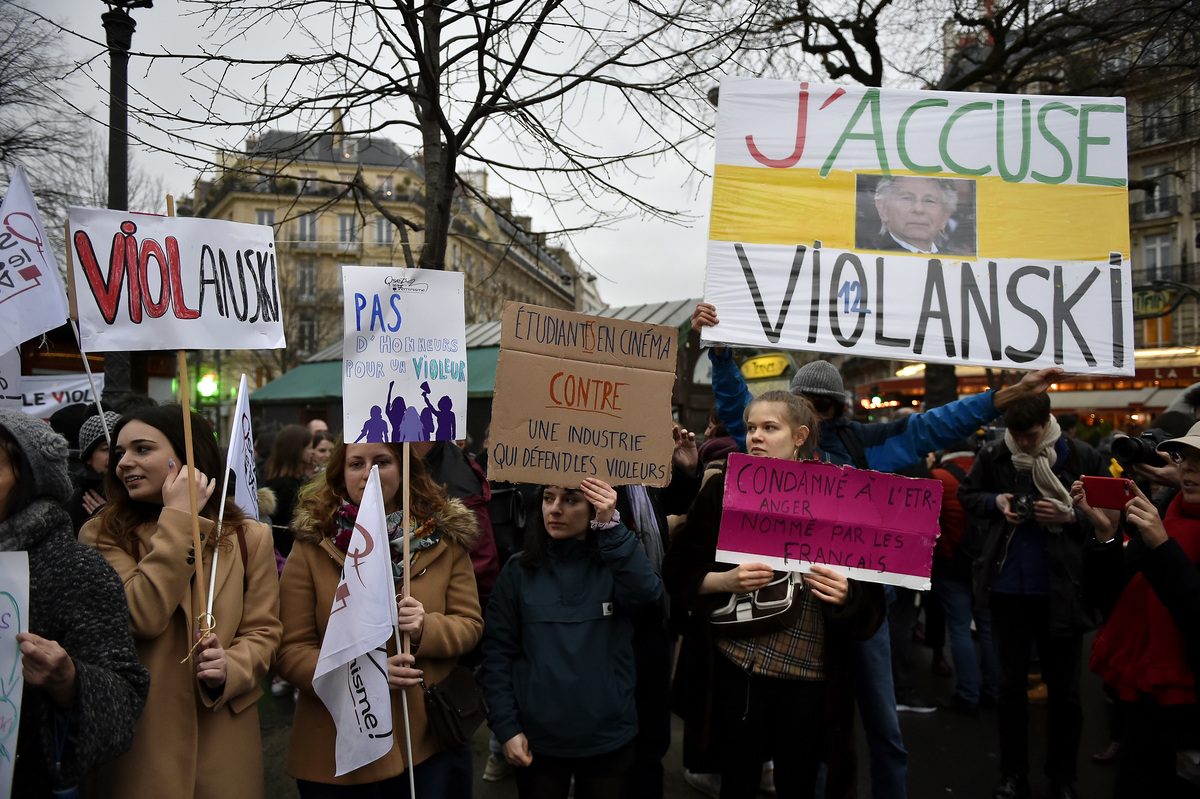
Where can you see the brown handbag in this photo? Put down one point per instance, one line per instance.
(772, 607)
(454, 708)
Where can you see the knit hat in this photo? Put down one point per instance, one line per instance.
(819, 379)
(92, 432)
(45, 451)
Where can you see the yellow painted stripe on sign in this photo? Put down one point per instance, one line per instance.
(782, 206)
(1037, 220)
(1014, 220)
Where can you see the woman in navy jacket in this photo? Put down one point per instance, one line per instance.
(559, 670)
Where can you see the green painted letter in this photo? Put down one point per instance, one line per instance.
(870, 98)
(901, 133)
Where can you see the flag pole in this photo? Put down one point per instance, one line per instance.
(204, 621)
(73, 317)
(406, 528)
(212, 576)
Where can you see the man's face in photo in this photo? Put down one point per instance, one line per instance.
(915, 211)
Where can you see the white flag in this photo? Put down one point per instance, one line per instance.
(351, 674)
(10, 380)
(32, 297)
(241, 455)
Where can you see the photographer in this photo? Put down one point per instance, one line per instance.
(1032, 563)
(1150, 649)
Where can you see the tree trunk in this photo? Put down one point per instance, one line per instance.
(440, 151)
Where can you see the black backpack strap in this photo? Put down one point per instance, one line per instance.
(854, 447)
(955, 470)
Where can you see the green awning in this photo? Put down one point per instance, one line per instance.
(481, 371)
(322, 381)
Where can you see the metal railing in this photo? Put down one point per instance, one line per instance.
(1155, 207)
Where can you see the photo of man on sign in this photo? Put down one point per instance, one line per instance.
(933, 216)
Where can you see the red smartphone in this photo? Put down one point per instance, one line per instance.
(1108, 492)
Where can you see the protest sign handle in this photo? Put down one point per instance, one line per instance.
(205, 621)
(406, 527)
(407, 643)
(87, 368)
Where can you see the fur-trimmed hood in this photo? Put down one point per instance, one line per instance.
(456, 521)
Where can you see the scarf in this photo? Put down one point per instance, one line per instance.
(1141, 650)
(1041, 463)
(645, 524)
(423, 537)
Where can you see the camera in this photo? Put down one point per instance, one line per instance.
(1141, 449)
(1024, 497)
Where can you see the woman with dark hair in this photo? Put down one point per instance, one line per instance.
(787, 693)
(288, 466)
(441, 616)
(84, 687)
(559, 671)
(199, 736)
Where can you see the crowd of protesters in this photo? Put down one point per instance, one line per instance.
(590, 613)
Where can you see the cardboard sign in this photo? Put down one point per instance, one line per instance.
(10, 380)
(945, 227)
(32, 297)
(145, 282)
(14, 619)
(42, 395)
(404, 374)
(868, 525)
(582, 396)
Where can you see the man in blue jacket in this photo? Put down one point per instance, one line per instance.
(884, 447)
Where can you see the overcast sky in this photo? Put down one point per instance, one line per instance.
(636, 261)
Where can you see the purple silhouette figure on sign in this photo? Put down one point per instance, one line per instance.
(375, 429)
(395, 412)
(410, 428)
(445, 420)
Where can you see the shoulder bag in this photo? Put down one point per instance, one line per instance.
(454, 708)
(770, 608)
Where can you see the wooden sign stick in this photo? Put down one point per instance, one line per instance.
(406, 527)
(204, 621)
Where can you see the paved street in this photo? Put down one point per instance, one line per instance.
(949, 755)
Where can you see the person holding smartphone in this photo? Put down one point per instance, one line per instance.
(1150, 648)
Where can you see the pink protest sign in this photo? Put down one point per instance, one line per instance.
(868, 525)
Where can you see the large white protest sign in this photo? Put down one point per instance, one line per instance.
(404, 365)
(145, 282)
(14, 619)
(32, 297)
(10, 380)
(351, 673)
(42, 395)
(934, 226)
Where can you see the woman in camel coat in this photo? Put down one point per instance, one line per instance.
(199, 735)
(441, 614)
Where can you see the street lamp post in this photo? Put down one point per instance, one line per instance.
(118, 30)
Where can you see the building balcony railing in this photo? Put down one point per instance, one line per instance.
(1179, 273)
(1162, 130)
(349, 246)
(1156, 207)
